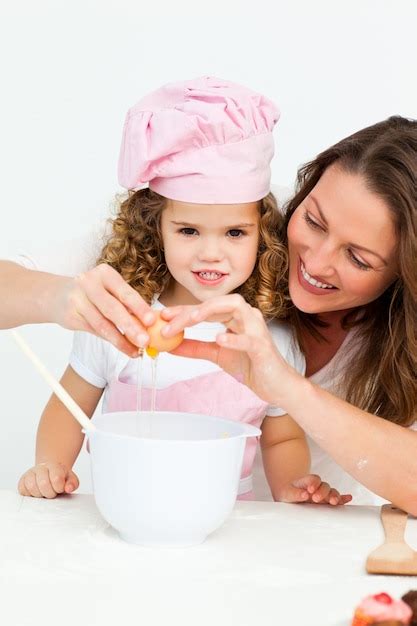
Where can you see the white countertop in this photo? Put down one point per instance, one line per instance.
(269, 565)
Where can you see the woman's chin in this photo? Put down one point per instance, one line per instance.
(308, 303)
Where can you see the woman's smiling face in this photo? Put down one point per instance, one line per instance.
(342, 245)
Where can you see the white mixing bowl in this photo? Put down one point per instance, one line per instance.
(168, 479)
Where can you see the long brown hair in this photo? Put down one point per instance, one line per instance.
(135, 250)
(382, 376)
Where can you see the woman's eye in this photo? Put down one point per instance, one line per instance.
(355, 260)
(235, 233)
(188, 231)
(311, 222)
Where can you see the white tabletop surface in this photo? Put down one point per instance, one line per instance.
(269, 565)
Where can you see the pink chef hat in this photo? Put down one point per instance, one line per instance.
(205, 140)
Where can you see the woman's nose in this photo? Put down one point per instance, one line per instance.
(321, 261)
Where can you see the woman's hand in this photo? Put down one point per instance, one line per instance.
(246, 350)
(311, 489)
(101, 302)
(47, 480)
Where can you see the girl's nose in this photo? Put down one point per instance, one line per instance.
(210, 251)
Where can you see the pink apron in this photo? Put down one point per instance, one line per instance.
(215, 393)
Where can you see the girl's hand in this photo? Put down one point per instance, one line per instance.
(101, 302)
(311, 489)
(247, 349)
(47, 480)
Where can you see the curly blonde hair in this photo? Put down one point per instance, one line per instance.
(135, 250)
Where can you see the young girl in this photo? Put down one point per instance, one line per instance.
(206, 226)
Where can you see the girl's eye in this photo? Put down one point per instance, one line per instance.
(311, 222)
(235, 233)
(188, 232)
(355, 260)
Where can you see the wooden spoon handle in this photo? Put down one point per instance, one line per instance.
(56, 386)
(394, 522)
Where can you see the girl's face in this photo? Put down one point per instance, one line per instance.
(342, 245)
(210, 249)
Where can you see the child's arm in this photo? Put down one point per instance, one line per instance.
(59, 440)
(286, 459)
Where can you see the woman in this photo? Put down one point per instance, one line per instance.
(351, 283)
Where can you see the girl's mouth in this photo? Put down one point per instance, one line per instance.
(209, 277)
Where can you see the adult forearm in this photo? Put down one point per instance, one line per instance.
(26, 296)
(99, 301)
(379, 454)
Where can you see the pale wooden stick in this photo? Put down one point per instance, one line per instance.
(58, 389)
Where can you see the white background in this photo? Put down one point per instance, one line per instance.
(70, 70)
